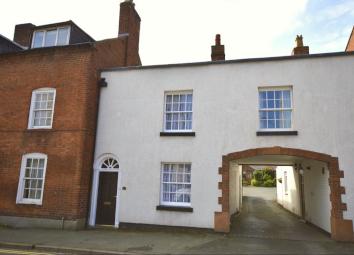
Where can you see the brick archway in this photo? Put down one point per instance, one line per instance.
(341, 229)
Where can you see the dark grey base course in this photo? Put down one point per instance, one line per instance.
(28, 222)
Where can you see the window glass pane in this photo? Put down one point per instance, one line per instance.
(50, 38)
(63, 36)
(175, 107)
(262, 95)
(166, 197)
(38, 39)
(278, 94)
(263, 115)
(38, 194)
(270, 95)
(271, 124)
(183, 98)
(168, 98)
(262, 104)
(287, 115)
(188, 168)
(28, 162)
(271, 115)
(182, 107)
(176, 98)
(189, 98)
(26, 193)
(263, 123)
(270, 104)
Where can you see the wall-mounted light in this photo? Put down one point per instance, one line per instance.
(301, 170)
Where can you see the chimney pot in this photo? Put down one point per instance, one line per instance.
(217, 39)
(217, 50)
(300, 49)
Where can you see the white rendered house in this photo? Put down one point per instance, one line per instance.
(172, 139)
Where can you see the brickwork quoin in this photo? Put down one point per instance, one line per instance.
(341, 229)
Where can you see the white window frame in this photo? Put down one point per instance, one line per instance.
(177, 204)
(21, 182)
(176, 92)
(276, 88)
(56, 37)
(31, 112)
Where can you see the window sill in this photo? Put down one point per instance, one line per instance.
(26, 202)
(177, 133)
(174, 208)
(276, 133)
(39, 128)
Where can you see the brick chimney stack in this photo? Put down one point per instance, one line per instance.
(300, 49)
(129, 24)
(217, 50)
(129, 19)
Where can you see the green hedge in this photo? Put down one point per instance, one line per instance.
(264, 178)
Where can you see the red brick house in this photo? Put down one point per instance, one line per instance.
(49, 90)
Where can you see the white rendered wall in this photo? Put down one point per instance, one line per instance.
(289, 200)
(317, 204)
(225, 119)
(235, 182)
(234, 188)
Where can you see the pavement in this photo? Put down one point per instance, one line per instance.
(263, 227)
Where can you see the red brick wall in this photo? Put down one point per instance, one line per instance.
(66, 70)
(350, 46)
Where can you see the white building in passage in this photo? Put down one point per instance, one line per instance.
(172, 139)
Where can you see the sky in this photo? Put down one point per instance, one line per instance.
(180, 31)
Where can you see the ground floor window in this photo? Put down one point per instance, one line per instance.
(32, 175)
(176, 184)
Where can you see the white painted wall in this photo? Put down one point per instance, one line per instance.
(235, 182)
(317, 204)
(316, 192)
(225, 119)
(289, 200)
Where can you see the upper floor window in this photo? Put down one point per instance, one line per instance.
(178, 111)
(42, 108)
(275, 108)
(32, 176)
(51, 37)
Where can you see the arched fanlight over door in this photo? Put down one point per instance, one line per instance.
(110, 163)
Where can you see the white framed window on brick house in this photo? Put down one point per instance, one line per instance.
(42, 108)
(176, 184)
(178, 111)
(51, 37)
(275, 108)
(31, 181)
